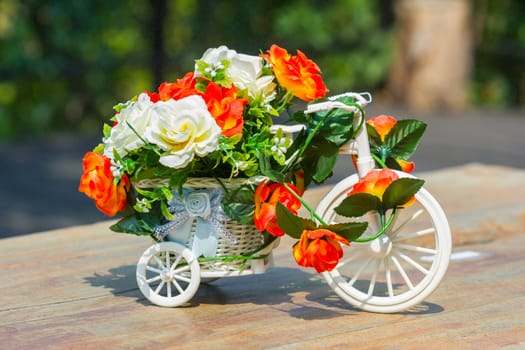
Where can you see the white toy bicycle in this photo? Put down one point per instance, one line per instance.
(383, 273)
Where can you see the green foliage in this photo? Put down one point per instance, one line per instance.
(140, 224)
(345, 37)
(396, 194)
(291, 224)
(400, 143)
(498, 74)
(400, 191)
(64, 63)
(358, 205)
(328, 131)
(238, 203)
(294, 225)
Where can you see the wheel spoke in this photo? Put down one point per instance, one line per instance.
(373, 279)
(177, 285)
(404, 223)
(175, 263)
(167, 258)
(181, 269)
(412, 262)
(388, 274)
(356, 254)
(153, 279)
(415, 234)
(182, 278)
(152, 269)
(358, 273)
(414, 248)
(168, 288)
(159, 287)
(159, 262)
(403, 273)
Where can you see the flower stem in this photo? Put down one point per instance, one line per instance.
(385, 226)
(379, 161)
(309, 139)
(312, 212)
(246, 256)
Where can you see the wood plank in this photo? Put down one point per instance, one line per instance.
(75, 288)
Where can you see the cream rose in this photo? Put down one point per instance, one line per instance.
(244, 71)
(182, 129)
(122, 137)
(214, 56)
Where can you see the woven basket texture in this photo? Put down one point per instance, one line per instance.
(247, 238)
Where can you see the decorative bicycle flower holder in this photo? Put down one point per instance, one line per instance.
(200, 167)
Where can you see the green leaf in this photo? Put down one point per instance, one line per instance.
(266, 169)
(404, 138)
(320, 159)
(292, 224)
(238, 204)
(349, 230)
(130, 224)
(373, 136)
(337, 127)
(165, 211)
(146, 193)
(358, 204)
(106, 130)
(400, 191)
(393, 164)
(240, 212)
(166, 192)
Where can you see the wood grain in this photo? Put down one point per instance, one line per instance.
(75, 289)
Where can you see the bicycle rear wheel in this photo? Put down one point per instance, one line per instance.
(400, 268)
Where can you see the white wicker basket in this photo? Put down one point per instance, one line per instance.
(246, 238)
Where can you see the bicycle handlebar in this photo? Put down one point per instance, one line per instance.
(361, 98)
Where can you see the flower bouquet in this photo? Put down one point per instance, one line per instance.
(201, 162)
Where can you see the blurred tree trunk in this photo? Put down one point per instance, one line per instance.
(432, 65)
(158, 54)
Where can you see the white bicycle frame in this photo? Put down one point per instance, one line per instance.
(360, 145)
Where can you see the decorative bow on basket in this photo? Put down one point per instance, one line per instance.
(199, 209)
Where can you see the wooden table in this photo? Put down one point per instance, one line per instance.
(75, 289)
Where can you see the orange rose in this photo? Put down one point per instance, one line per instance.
(297, 74)
(226, 108)
(382, 124)
(320, 249)
(181, 88)
(406, 166)
(376, 182)
(97, 182)
(267, 195)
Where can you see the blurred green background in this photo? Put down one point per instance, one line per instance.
(64, 64)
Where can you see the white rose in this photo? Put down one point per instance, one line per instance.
(215, 56)
(182, 129)
(245, 72)
(122, 137)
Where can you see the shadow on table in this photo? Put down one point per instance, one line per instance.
(300, 294)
